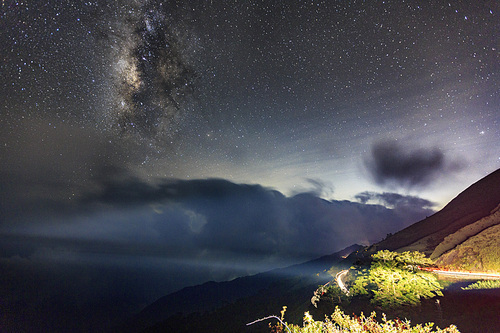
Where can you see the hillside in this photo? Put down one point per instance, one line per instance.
(471, 230)
(477, 202)
(202, 308)
(478, 253)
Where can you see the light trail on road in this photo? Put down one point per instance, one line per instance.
(341, 284)
(470, 275)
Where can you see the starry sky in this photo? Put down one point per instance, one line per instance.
(283, 121)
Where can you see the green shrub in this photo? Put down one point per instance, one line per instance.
(339, 322)
(484, 284)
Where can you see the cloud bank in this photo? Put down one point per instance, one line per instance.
(214, 220)
(218, 216)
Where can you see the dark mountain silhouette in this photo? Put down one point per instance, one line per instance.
(239, 301)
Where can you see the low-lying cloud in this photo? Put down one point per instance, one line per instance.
(405, 206)
(129, 241)
(220, 216)
(214, 219)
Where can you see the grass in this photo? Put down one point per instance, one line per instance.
(466, 232)
(478, 253)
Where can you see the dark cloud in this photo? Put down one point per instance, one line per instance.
(216, 217)
(392, 163)
(394, 199)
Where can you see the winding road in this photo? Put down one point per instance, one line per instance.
(341, 284)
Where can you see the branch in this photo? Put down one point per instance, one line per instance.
(269, 317)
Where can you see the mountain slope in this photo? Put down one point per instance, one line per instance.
(202, 308)
(471, 230)
(480, 252)
(476, 202)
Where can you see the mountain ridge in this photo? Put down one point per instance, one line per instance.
(474, 203)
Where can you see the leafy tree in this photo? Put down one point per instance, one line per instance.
(384, 255)
(329, 295)
(360, 286)
(412, 259)
(394, 280)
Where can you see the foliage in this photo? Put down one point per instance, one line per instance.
(361, 284)
(330, 293)
(413, 259)
(484, 284)
(394, 280)
(334, 270)
(340, 322)
(385, 256)
(279, 326)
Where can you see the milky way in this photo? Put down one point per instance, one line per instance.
(150, 73)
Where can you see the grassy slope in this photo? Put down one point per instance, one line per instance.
(451, 241)
(478, 253)
(473, 204)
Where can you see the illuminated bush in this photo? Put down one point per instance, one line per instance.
(485, 284)
(393, 280)
(339, 322)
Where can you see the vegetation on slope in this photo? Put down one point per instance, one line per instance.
(478, 253)
(483, 284)
(466, 232)
(393, 280)
(339, 322)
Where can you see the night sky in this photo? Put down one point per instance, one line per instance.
(150, 145)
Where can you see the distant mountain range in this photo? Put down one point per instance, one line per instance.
(464, 234)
